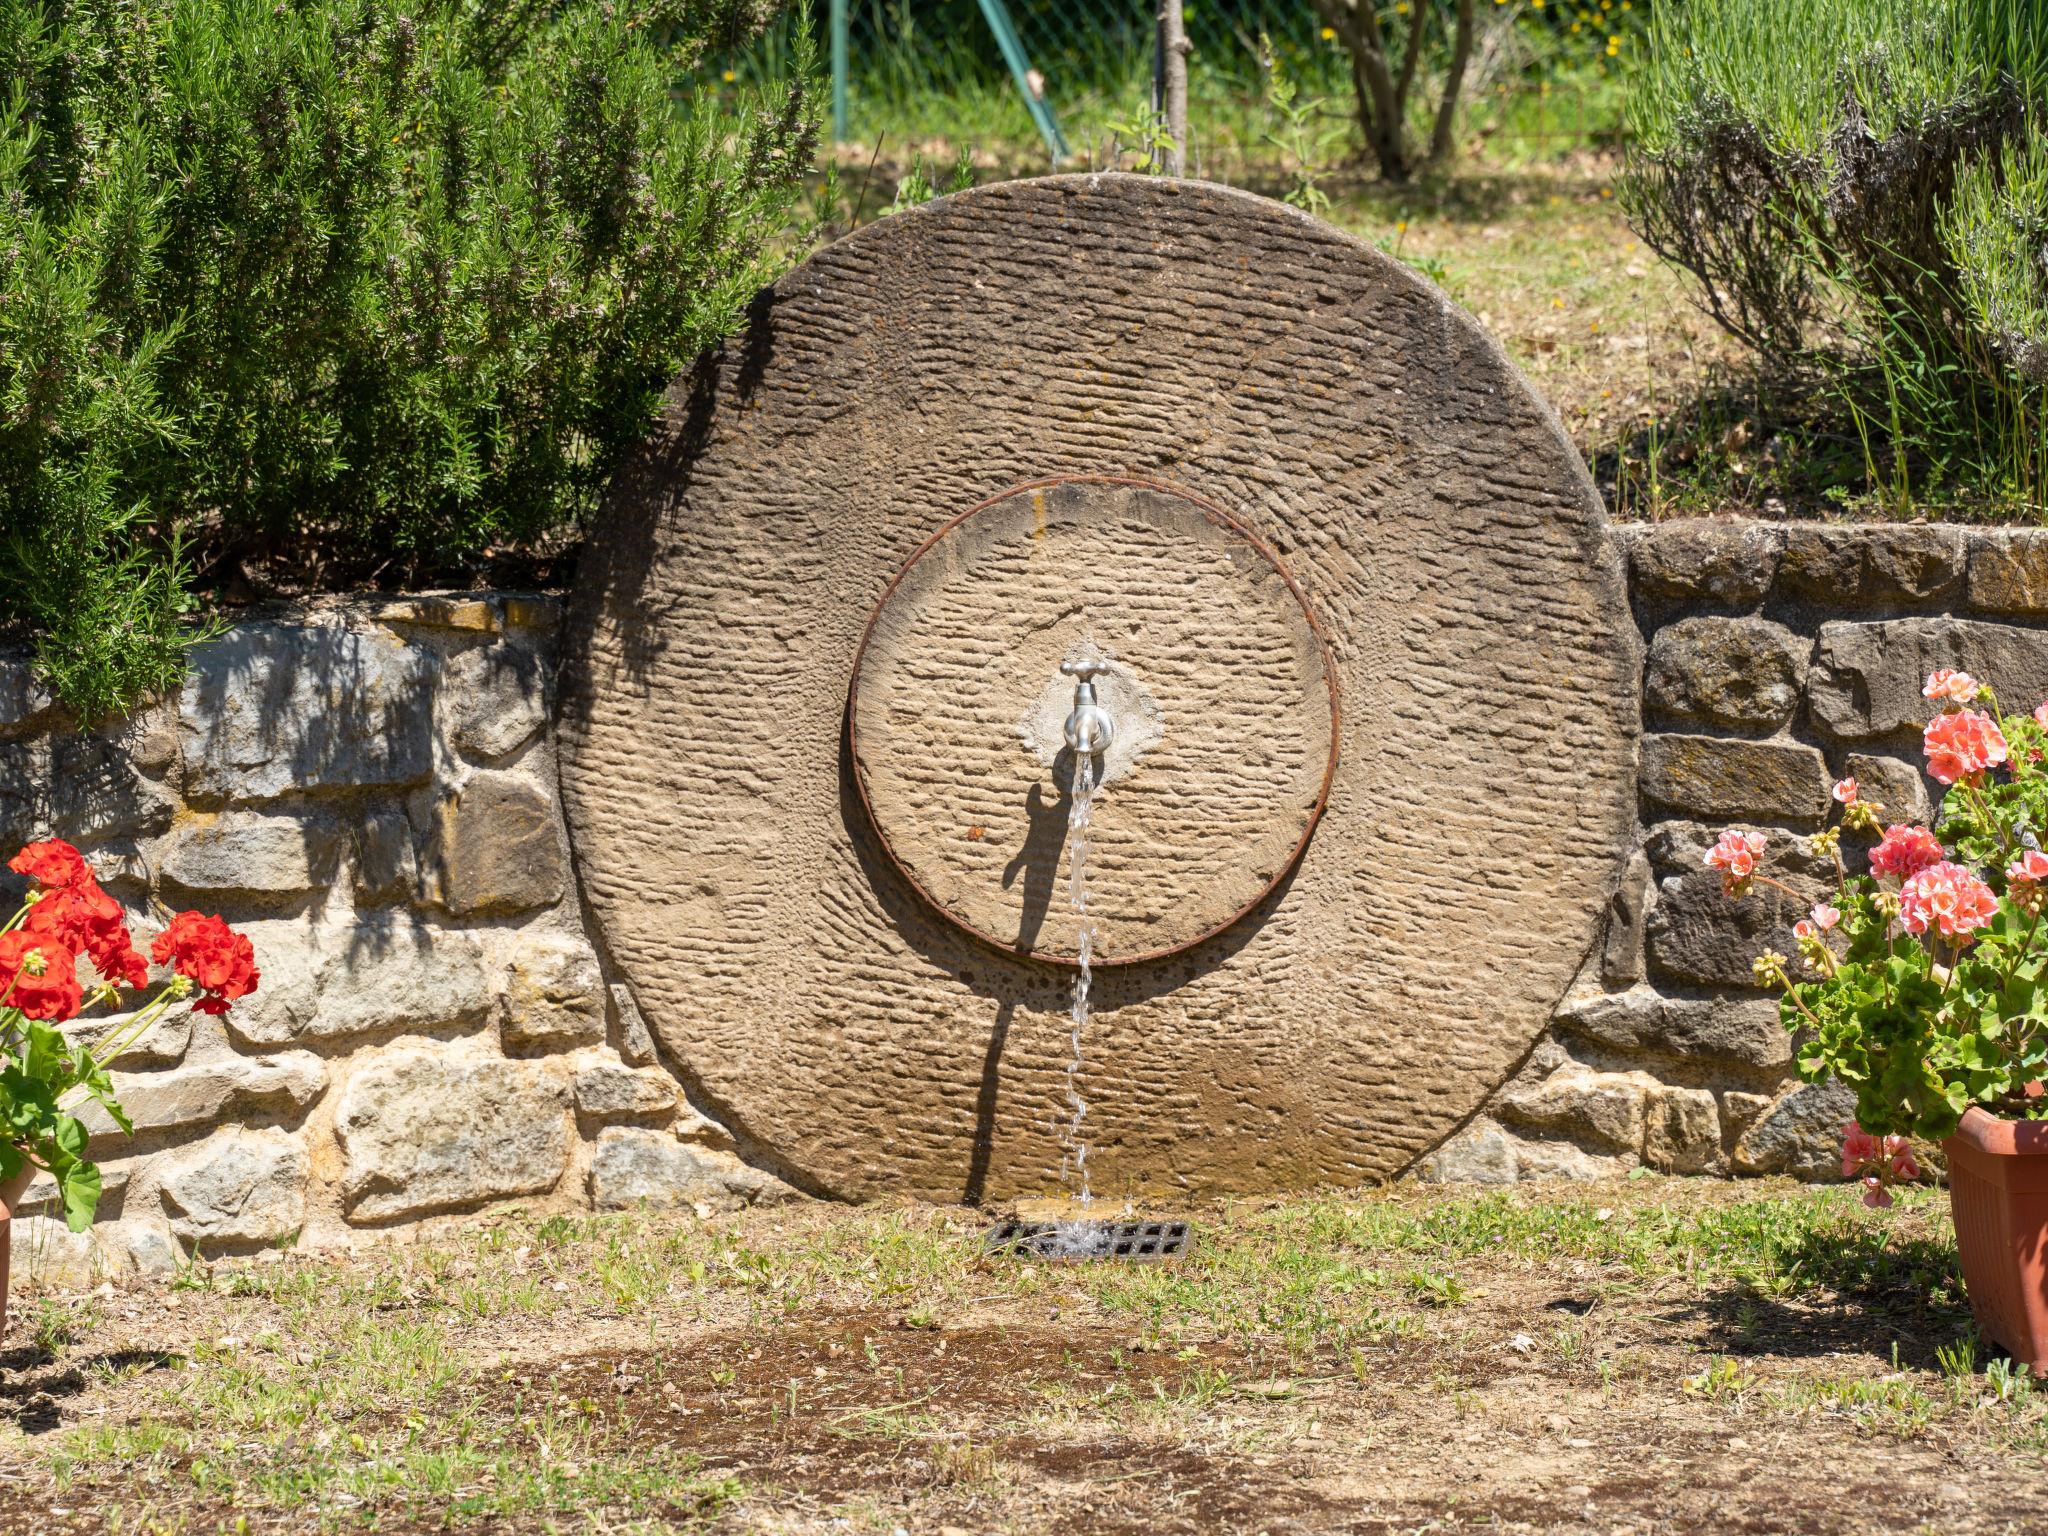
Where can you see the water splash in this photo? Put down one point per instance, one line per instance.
(1079, 808)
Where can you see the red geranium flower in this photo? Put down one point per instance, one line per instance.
(39, 976)
(55, 865)
(72, 909)
(209, 952)
(86, 919)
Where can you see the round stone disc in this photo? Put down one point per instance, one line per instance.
(1222, 694)
(807, 966)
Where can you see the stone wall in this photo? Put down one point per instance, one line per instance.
(1778, 658)
(367, 788)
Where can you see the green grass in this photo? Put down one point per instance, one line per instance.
(376, 1390)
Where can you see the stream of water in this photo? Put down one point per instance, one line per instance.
(1079, 808)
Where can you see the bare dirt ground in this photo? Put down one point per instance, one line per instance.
(1660, 1355)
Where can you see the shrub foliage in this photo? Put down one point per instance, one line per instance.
(353, 288)
(1868, 168)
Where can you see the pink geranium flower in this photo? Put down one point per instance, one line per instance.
(1951, 687)
(1825, 916)
(1962, 744)
(2030, 868)
(1858, 1148)
(1845, 791)
(1905, 851)
(1735, 856)
(1875, 1195)
(1947, 898)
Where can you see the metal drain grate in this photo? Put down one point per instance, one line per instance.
(1139, 1242)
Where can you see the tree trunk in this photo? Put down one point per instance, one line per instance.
(1170, 83)
(1379, 105)
(1454, 83)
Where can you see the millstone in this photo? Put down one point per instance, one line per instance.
(1218, 677)
(1350, 509)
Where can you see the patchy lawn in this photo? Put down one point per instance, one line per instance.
(1658, 1355)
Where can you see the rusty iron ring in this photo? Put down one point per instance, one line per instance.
(1231, 525)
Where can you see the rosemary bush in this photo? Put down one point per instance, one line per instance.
(337, 291)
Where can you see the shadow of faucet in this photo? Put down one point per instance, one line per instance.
(1038, 860)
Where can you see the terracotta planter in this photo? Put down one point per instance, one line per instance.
(1998, 1190)
(10, 1191)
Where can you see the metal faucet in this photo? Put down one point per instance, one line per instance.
(1089, 727)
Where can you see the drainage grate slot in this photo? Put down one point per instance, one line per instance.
(1138, 1242)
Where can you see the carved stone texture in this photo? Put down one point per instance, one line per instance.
(1440, 527)
(1219, 684)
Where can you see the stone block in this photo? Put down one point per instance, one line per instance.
(497, 848)
(1702, 937)
(610, 1090)
(163, 1044)
(1481, 1153)
(1739, 1111)
(44, 1251)
(96, 792)
(387, 866)
(632, 1167)
(541, 616)
(1714, 776)
(252, 853)
(635, 1043)
(2009, 571)
(1872, 563)
(1899, 786)
(376, 976)
(1539, 1157)
(237, 1187)
(1682, 1130)
(115, 1178)
(555, 995)
(425, 1130)
(201, 1093)
(1726, 564)
(477, 615)
(271, 708)
(1621, 948)
(24, 771)
(1800, 1133)
(1866, 678)
(1604, 1108)
(496, 699)
(1680, 848)
(1734, 1031)
(24, 701)
(1741, 673)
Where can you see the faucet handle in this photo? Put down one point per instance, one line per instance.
(1085, 664)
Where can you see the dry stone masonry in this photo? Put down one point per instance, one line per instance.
(1779, 657)
(367, 788)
